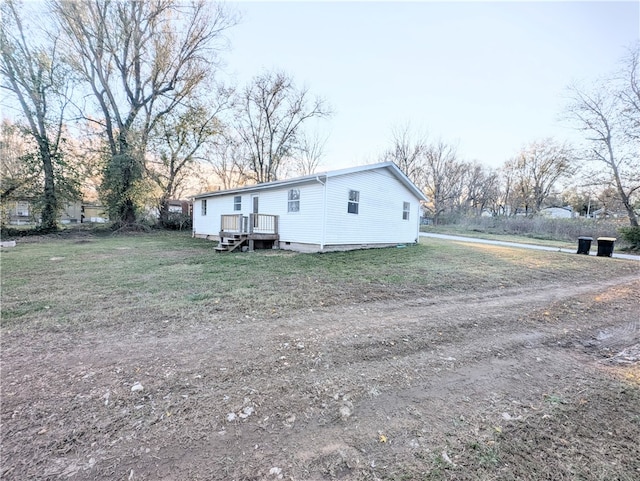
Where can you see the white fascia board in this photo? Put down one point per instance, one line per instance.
(395, 170)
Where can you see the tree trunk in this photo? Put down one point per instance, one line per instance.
(50, 201)
(633, 219)
(128, 212)
(163, 211)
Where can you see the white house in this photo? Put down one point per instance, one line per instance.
(557, 212)
(368, 206)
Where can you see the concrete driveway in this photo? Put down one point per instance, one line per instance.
(518, 245)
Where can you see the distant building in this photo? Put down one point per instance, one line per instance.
(557, 212)
(606, 214)
(180, 207)
(17, 212)
(84, 212)
(21, 212)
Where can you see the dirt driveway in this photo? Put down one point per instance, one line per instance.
(525, 383)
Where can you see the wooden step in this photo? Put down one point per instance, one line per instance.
(231, 242)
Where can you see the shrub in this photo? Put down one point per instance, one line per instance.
(11, 232)
(178, 222)
(631, 235)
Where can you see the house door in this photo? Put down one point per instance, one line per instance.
(254, 210)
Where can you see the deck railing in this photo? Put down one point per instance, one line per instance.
(254, 223)
(233, 223)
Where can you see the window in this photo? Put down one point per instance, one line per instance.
(406, 206)
(354, 200)
(204, 206)
(237, 202)
(22, 209)
(293, 204)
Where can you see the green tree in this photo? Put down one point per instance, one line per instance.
(19, 179)
(140, 60)
(178, 142)
(32, 71)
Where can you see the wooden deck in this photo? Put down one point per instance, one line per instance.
(254, 230)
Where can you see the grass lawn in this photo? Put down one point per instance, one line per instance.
(105, 279)
(152, 357)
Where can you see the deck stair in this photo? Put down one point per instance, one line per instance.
(254, 231)
(232, 242)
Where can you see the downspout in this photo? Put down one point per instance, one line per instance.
(418, 221)
(324, 211)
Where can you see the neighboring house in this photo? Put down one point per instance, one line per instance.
(84, 212)
(557, 212)
(22, 213)
(176, 207)
(368, 206)
(179, 207)
(17, 212)
(607, 214)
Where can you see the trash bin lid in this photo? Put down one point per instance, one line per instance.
(585, 238)
(610, 239)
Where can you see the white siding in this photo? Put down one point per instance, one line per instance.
(304, 226)
(379, 218)
(216, 206)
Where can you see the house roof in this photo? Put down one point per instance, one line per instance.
(567, 208)
(390, 166)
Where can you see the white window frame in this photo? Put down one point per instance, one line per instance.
(293, 201)
(203, 207)
(237, 203)
(406, 210)
(353, 204)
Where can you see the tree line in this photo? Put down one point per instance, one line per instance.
(126, 96)
(126, 93)
(604, 172)
(462, 188)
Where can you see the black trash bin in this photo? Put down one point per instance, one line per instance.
(605, 246)
(584, 245)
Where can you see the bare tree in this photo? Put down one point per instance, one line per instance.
(628, 93)
(141, 60)
(433, 166)
(609, 117)
(480, 189)
(227, 159)
(408, 152)
(511, 198)
(32, 71)
(309, 154)
(537, 170)
(494, 194)
(271, 115)
(443, 176)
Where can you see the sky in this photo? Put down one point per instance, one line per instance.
(489, 77)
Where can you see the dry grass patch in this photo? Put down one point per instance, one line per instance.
(137, 357)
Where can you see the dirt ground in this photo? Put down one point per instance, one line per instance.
(539, 382)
